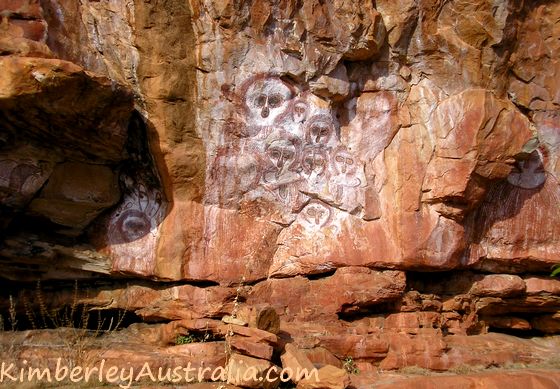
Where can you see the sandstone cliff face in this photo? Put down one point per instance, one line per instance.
(325, 153)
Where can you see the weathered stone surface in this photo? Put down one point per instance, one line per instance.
(155, 302)
(546, 379)
(367, 347)
(79, 113)
(347, 290)
(410, 321)
(320, 357)
(549, 324)
(512, 323)
(302, 68)
(492, 349)
(23, 31)
(32, 258)
(538, 285)
(250, 347)
(423, 350)
(498, 285)
(251, 372)
(23, 171)
(329, 377)
(260, 316)
(478, 138)
(203, 250)
(76, 194)
(304, 156)
(233, 320)
(534, 81)
(296, 360)
(508, 237)
(253, 333)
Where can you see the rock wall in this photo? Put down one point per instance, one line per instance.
(378, 166)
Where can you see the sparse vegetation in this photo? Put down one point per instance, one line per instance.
(82, 324)
(186, 339)
(350, 366)
(555, 271)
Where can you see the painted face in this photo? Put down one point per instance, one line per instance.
(20, 179)
(21, 174)
(282, 154)
(316, 215)
(320, 129)
(344, 163)
(314, 160)
(266, 102)
(530, 174)
(133, 225)
(299, 111)
(138, 215)
(266, 99)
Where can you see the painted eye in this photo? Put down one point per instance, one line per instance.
(311, 212)
(340, 159)
(275, 154)
(275, 100)
(288, 155)
(260, 101)
(349, 161)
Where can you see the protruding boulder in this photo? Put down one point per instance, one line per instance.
(295, 360)
(77, 113)
(498, 285)
(76, 193)
(251, 372)
(260, 316)
(329, 377)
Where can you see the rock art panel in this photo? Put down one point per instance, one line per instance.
(316, 215)
(133, 229)
(265, 98)
(20, 180)
(374, 125)
(339, 154)
(516, 227)
(282, 148)
(478, 137)
(548, 127)
(529, 173)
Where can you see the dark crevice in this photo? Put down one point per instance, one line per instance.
(318, 276)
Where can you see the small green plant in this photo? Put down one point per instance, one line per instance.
(350, 366)
(555, 270)
(185, 339)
